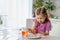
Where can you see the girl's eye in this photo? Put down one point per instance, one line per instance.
(39, 18)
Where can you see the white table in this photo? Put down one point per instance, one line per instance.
(43, 38)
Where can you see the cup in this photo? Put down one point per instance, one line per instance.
(25, 33)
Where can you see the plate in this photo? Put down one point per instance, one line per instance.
(34, 36)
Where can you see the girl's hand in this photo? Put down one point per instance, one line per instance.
(34, 31)
(45, 33)
(29, 30)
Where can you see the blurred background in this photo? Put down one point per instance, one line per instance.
(13, 15)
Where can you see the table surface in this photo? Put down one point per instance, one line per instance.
(43, 38)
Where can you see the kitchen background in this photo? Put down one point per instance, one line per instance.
(14, 14)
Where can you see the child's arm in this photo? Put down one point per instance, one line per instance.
(32, 28)
(44, 33)
(48, 28)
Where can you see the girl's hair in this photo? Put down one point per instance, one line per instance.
(43, 11)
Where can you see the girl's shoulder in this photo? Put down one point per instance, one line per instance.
(48, 23)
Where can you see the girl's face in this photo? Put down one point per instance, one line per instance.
(40, 18)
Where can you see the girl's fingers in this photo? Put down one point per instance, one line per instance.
(30, 30)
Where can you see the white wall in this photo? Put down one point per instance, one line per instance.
(17, 11)
(8, 7)
(3, 7)
(11, 14)
(24, 11)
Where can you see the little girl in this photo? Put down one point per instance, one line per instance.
(41, 22)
